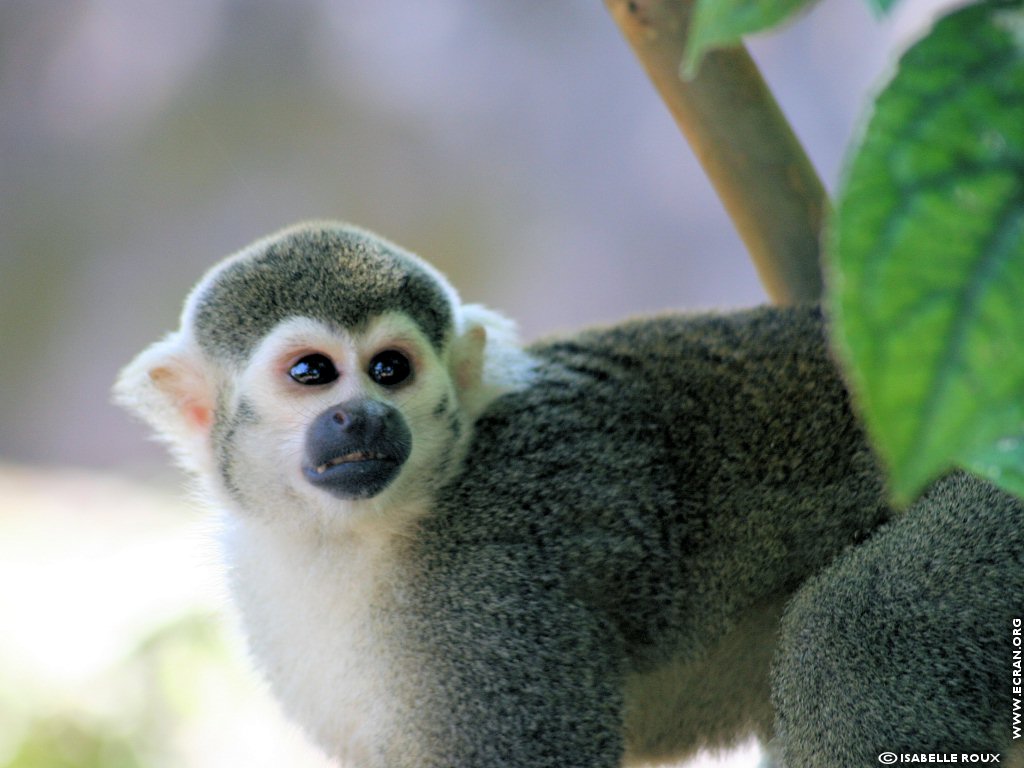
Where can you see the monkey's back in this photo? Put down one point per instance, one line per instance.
(719, 464)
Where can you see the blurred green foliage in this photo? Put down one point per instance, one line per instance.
(157, 691)
(66, 742)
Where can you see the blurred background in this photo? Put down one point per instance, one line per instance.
(517, 145)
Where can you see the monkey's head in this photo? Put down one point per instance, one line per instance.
(320, 370)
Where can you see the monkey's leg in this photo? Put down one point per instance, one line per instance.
(905, 643)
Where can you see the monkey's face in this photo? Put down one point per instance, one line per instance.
(349, 422)
(322, 371)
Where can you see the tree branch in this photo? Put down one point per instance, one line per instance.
(746, 146)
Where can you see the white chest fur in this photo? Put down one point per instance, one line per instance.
(310, 610)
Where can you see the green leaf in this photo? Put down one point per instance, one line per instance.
(718, 23)
(926, 255)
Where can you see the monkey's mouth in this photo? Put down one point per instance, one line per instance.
(351, 458)
(355, 474)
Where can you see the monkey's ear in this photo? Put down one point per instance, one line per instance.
(467, 357)
(483, 356)
(170, 387)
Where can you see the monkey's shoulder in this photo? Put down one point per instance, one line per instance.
(657, 345)
(625, 422)
(677, 368)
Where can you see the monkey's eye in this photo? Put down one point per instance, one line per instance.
(390, 368)
(313, 370)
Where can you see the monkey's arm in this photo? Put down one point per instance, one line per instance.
(515, 673)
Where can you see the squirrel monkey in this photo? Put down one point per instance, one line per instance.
(612, 548)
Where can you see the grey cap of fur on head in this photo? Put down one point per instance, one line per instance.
(336, 273)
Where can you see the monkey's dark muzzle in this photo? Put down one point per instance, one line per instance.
(355, 449)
